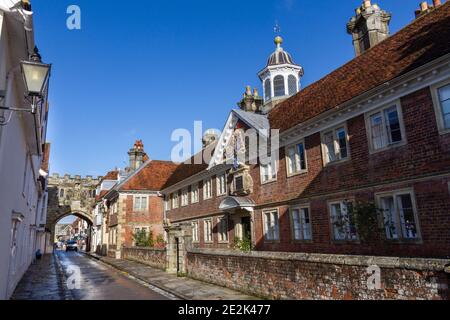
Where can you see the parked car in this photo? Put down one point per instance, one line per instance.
(71, 246)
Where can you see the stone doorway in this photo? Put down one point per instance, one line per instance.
(179, 240)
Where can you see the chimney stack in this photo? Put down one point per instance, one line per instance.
(368, 27)
(137, 156)
(251, 102)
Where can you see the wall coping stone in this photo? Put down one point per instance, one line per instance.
(351, 260)
(144, 248)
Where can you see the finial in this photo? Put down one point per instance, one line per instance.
(278, 41)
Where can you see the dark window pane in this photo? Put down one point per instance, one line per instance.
(301, 154)
(342, 138)
(393, 124)
(292, 83)
(239, 183)
(278, 85)
(267, 89)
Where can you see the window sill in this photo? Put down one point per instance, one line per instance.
(302, 241)
(443, 131)
(404, 241)
(271, 241)
(268, 182)
(222, 195)
(342, 242)
(300, 173)
(224, 242)
(337, 162)
(388, 147)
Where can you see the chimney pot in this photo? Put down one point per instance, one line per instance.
(436, 3)
(424, 6)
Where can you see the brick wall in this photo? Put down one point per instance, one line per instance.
(150, 256)
(313, 276)
(152, 217)
(422, 164)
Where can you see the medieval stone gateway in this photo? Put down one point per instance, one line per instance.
(70, 195)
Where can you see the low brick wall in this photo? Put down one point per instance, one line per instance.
(150, 256)
(299, 276)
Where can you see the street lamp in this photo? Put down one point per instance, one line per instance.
(35, 77)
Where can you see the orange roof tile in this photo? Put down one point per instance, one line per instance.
(419, 43)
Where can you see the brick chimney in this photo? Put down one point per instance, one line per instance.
(137, 155)
(368, 27)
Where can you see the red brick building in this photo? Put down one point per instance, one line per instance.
(376, 130)
(135, 203)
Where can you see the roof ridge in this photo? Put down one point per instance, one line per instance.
(365, 53)
(395, 56)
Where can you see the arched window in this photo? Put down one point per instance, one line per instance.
(292, 85)
(278, 86)
(267, 90)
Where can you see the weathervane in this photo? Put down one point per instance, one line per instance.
(277, 28)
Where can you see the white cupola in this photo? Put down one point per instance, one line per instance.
(281, 76)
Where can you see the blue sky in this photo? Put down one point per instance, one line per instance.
(139, 70)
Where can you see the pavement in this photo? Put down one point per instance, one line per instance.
(181, 287)
(41, 282)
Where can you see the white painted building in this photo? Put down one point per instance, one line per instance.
(22, 151)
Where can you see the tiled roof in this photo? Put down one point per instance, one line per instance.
(419, 43)
(189, 168)
(46, 158)
(101, 195)
(152, 178)
(112, 175)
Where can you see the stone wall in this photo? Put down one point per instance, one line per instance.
(150, 256)
(300, 276)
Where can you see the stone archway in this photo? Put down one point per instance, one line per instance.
(69, 195)
(82, 215)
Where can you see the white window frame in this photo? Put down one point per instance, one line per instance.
(400, 227)
(302, 223)
(195, 232)
(195, 193)
(220, 191)
(208, 232)
(222, 229)
(274, 234)
(167, 203)
(206, 182)
(273, 175)
(438, 107)
(369, 132)
(175, 200)
(140, 208)
(342, 204)
(337, 148)
(298, 170)
(184, 197)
